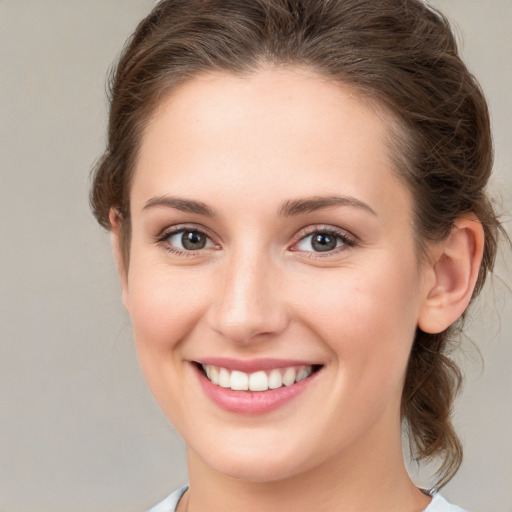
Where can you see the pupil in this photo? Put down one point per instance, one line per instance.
(323, 242)
(193, 240)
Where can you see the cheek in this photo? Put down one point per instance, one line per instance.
(367, 313)
(164, 305)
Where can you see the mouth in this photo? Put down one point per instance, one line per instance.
(258, 381)
(254, 387)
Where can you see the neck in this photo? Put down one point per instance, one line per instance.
(371, 476)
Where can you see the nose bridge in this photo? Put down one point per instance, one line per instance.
(248, 303)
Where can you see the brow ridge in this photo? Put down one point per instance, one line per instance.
(311, 204)
(182, 204)
(289, 208)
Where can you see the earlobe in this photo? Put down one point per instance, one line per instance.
(455, 265)
(115, 224)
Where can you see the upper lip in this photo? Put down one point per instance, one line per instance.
(252, 365)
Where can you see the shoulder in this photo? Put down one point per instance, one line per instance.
(171, 502)
(439, 504)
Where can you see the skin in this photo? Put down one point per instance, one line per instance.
(244, 146)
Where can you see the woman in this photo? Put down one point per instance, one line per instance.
(296, 192)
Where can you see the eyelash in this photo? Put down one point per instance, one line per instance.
(163, 239)
(347, 240)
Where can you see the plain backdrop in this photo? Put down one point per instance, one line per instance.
(78, 429)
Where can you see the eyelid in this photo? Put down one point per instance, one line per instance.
(163, 237)
(348, 239)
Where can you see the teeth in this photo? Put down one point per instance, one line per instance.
(224, 378)
(257, 381)
(214, 374)
(275, 379)
(239, 381)
(302, 374)
(289, 376)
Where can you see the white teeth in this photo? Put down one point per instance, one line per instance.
(275, 379)
(239, 381)
(303, 374)
(289, 376)
(224, 378)
(257, 381)
(214, 374)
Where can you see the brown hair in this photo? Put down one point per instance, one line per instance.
(399, 53)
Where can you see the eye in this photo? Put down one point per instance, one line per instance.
(323, 241)
(186, 240)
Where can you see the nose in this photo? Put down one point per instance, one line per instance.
(248, 305)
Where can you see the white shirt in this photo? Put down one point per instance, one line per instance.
(438, 503)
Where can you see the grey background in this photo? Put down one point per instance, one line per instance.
(78, 429)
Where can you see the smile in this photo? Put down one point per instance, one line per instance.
(254, 387)
(256, 381)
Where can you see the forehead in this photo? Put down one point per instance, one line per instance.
(275, 132)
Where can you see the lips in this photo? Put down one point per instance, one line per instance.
(254, 387)
(256, 381)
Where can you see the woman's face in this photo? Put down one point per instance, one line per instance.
(272, 242)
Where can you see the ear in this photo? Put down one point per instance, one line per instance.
(115, 225)
(455, 266)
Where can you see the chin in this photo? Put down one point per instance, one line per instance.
(257, 472)
(261, 467)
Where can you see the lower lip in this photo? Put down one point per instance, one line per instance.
(252, 402)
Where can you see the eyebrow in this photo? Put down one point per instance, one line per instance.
(289, 208)
(185, 205)
(311, 204)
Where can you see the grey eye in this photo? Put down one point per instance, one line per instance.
(190, 240)
(320, 242)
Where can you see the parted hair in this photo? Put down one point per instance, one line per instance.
(399, 54)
